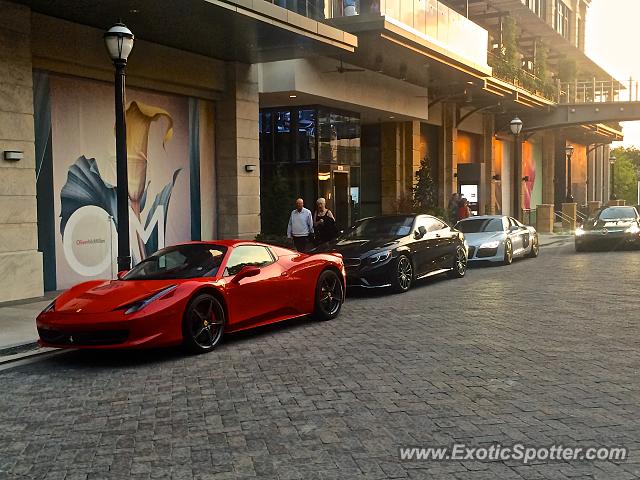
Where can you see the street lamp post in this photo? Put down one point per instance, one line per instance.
(569, 152)
(612, 162)
(516, 127)
(119, 42)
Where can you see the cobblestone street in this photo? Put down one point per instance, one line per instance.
(541, 352)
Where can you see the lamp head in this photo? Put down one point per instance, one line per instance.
(612, 159)
(568, 150)
(516, 126)
(119, 42)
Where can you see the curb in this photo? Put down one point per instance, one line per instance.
(18, 348)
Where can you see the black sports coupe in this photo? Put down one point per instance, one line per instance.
(395, 250)
(610, 228)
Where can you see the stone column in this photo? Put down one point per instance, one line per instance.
(446, 183)
(20, 261)
(390, 154)
(548, 168)
(487, 194)
(597, 180)
(237, 145)
(411, 155)
(594, 205)
(544, 218)
(400, 159)
(569, 213)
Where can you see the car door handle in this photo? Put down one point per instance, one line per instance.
(284, 274)
(437, 235)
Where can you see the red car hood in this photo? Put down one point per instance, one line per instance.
(105, 296)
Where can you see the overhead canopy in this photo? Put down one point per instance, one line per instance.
(222, 29)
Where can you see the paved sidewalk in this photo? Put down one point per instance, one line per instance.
(554, 238)
(17, 321)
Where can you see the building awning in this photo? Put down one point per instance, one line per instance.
(232, 30)
(387, 45)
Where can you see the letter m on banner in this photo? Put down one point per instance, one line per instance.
(141, 235)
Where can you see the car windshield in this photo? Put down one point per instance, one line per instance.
(181, 261)
(478, 225)
(386, 227)
(619, 213)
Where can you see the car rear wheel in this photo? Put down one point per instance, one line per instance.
(459, 264)
(402, 274)
(329, 296)
(203, 323)
(535, 248)
(508, 253)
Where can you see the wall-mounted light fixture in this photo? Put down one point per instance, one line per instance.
(249, 168)
(13, 155)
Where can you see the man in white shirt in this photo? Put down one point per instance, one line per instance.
(300, 226)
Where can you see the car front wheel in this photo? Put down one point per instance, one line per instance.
(459, 267)
(203, 323)
(508, 253)
(329, 296)
(402, 274)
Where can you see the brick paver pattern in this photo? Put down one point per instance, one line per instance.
(541, 352)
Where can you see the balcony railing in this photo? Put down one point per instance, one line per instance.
(430, 18)
(598, 91)
(520, 77)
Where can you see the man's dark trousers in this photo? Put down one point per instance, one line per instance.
(301, 243)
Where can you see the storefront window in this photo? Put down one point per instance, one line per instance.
(308, 152)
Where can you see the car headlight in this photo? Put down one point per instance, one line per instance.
(634, 229)
(579, 232)
(490, 245)
(379, 257)
(140, 304)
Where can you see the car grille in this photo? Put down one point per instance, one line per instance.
(487, 252)
(96, 337)
(352, 262)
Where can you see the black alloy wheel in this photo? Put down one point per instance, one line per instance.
(402, 274)
(508, 253)
(203, 323)
(329, 296)
(459, 268)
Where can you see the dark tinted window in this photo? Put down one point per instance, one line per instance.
(431, 224)
(181, 261)
(248, 255)
(395, 227)
(618, 213)
(477, 225)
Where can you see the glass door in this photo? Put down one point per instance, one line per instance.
(341, 199)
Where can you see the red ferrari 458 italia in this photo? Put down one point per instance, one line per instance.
(192, 294)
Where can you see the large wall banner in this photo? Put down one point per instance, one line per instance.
(84, 175)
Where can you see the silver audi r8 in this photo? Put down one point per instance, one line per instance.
(498, 238)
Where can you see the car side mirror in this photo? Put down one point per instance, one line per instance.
(514, 228)
(122, 273)
(421, 232)
(245, 272)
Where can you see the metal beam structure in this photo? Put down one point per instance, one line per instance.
(581, 114)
